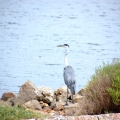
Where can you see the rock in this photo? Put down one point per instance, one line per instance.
(32, 104)
(48, 94)
(7, 95)
(28, 91)
(43, 104)
(5, 103)
(60, 94)
(71, 108)
(32, 119)
(77, 98)
(53, 104)
(48, 110)
(58, 117)
(111, 116)
(60, 105)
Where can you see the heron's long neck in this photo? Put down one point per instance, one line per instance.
(66, 60)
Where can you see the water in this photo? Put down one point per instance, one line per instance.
(31, 30)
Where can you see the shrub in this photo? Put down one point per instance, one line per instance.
(114, 91)
(102, 94)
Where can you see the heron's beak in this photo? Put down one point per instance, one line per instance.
(60, 46)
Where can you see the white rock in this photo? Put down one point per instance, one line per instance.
(48, 94)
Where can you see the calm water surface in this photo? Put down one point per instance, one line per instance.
(31, 30)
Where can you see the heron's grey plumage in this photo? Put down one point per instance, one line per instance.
(69, 74)
(70, 78)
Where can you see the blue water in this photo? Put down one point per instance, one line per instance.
(31, 30)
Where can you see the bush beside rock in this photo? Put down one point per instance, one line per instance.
(95, 99)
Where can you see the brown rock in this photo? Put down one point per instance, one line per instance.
(28, 91)
(43, 104)
(7, 95)
(48, 110)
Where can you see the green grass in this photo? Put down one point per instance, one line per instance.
(18, 113)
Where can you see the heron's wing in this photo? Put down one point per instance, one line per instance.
(69, 78)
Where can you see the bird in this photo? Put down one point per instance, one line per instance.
(68, 74)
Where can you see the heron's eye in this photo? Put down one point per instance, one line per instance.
(66, 45)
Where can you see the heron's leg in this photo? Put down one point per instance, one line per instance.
(67, 97)
(72, 99)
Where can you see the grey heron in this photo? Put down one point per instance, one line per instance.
(68, 74)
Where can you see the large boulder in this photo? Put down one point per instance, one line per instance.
(28, 91)
(48, 94)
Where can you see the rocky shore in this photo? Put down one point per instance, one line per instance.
(46, 101)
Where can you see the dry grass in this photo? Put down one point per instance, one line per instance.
(97, 99)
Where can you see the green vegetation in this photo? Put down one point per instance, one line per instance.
(114, 90)
(17, 113)
(102, 93)
(112, 71)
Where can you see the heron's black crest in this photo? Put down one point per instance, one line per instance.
(66, 45)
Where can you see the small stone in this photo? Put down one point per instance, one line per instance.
(59, 105)
(77, 98)
(53, 104)
(62, 113)
(48, 110)
(43, 104)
